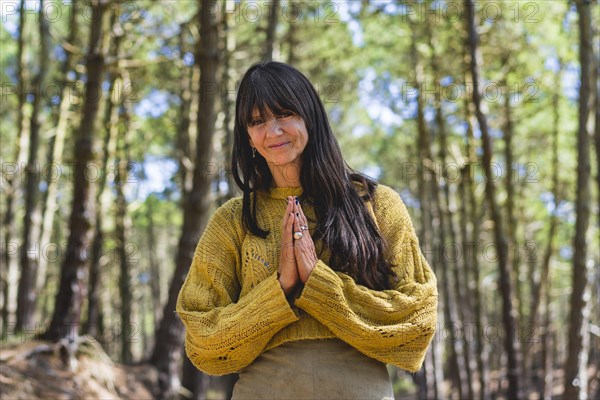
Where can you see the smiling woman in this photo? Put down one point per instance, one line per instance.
(313, 280)
(280, 139)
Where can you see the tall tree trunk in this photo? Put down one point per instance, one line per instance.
(56, 149)
(30, 254)
(511, 345)
(576, 364)
(169, 337)
(471, 257)
(540, 296)
(184, 150)
(271, 29)
(123, 228)
(470, 243)
(427, 196)
(511, 222)
(71, 292)
(13, 189)
(291, 39)
(155, 273)
(444, 209)
(110, 125)
(228, 107)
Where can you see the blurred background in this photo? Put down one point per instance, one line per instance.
(116, 129)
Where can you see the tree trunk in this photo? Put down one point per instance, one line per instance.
(291, 39)
(155, 273)
(31, 251)
(511, 345)
(228, 107)
(271, 29)
(13, 189)
(123, 228)
(95, 316)
(540, 296)
(184, 151)
(444, 209)
(511, 221)
(170, 334)
(427, 196)
(71, 292)
(575, 383)
(56, 150)
(471, 255)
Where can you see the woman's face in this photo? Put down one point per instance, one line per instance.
(280, 139)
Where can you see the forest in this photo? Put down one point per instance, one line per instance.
(116, 138)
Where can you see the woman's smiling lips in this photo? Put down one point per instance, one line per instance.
(276, 146)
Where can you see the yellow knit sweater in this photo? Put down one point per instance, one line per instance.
(234, 309)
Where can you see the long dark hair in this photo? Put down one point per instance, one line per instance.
(343, 221)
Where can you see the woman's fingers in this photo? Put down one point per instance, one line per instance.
(288, 209)
(303, 219)
(287, 231)
(288, 273)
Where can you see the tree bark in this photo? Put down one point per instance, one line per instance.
(155, 273)
(184, 150)
(511, 345)
(72, 290)
(444, 209)
(13, 189)
(427, 199)
(540, 296)
(169, 337)
(271, 29)
(471, 256)
(228, 107)
(56, 149)
(95, 316)
(122, 230)
(31, 251)
(575, 383)
(291, 39)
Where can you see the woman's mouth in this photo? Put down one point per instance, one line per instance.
(276, 146)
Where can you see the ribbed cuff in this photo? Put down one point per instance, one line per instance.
(319, 285)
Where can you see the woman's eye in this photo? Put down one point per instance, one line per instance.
(285, 114)
(256, 122)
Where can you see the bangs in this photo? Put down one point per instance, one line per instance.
(268, 92)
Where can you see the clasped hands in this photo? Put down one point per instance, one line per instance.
(298, 256)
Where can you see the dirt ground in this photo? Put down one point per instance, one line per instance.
(40, 370)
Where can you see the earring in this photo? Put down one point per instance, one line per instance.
(254, 152)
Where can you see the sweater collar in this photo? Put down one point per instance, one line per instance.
(284, 192)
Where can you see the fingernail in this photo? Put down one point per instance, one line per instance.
(297, 201)
(296, 214)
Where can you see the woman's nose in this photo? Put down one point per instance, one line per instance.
(274, 127)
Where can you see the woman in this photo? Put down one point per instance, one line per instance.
(312, 281)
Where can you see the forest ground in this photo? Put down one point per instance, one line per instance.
(40, 370)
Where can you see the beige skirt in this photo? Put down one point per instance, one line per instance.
(314, 369)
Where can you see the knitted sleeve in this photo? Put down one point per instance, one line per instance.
(392, 326)
(224, 333)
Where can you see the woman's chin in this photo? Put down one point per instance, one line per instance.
(281, 162)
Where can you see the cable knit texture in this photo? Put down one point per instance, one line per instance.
(234, 309)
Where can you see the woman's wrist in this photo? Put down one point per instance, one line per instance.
(287, 288)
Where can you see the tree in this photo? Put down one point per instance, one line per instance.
(57, 144)
(510, 344)
(27, 294)
(169, 336)
(12, 183)
(71, 292)
(576, 364)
